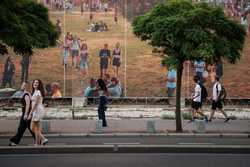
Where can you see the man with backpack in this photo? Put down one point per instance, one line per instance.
(219, 94)
(197, 100)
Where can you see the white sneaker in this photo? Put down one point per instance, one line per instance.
(12, 144)
(45, 141)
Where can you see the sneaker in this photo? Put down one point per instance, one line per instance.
(45, 141)
(210, 120)
(12, 144)
(227, 119)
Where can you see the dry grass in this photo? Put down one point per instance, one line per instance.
(144, 74)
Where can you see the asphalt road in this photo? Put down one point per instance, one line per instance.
(125, 160)
(134, 141)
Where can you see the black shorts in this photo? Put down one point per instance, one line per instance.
(217, 104)
(196, 105)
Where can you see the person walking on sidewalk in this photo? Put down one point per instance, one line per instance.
(103, 100)
(196, 100)
(24, 122)
(217, 101)
(37, 111)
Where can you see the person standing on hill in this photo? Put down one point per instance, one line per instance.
(75, 46)
(104, 55)
(9, 71)
(171, 82)
(116, 59)
(24, 122)
(84, 59)
(199, 67)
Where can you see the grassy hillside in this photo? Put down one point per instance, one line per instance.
(144, 75)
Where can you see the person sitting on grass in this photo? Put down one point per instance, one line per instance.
(90, 92)
(114, 88)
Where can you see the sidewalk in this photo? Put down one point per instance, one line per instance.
(131, 126)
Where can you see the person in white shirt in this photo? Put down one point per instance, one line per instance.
(216, 101)
(196, 100)
(37, 111)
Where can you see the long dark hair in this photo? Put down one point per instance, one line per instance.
(102, 85)
(40, 87)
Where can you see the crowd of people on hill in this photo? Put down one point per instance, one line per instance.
(98, 27)
(85, 5)
(113, 85)
(78, 50)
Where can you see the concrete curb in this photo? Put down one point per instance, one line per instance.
(69, 149)
(121, 135)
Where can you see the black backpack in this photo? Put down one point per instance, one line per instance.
(203, 93)
(223, 92)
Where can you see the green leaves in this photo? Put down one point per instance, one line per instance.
(25, 25)
(189, 31)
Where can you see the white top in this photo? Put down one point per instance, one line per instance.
(38, 112)
(216, 90)
(197, 93)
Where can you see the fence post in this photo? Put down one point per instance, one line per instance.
(151, 126)
(45, 126)
(98, 126)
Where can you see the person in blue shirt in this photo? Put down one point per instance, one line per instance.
(90, 92)
(171, 82)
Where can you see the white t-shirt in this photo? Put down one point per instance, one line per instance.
(197, 93)
(216, 90)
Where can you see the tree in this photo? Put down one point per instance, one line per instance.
(25, 25)
(190, 31)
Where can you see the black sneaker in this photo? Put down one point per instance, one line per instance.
(227, 119)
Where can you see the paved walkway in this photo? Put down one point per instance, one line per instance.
(130, 126)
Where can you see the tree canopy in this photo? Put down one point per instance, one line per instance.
(190, 31)
(24, 25)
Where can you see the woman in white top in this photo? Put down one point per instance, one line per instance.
(37, 111)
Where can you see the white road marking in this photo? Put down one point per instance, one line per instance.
(196, 143)
(121, 143)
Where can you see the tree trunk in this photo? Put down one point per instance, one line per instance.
(25, 67)
(178, 98)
